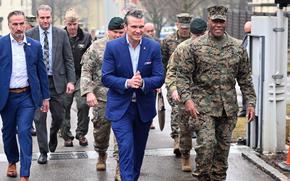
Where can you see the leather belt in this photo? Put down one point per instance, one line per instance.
(19, 90)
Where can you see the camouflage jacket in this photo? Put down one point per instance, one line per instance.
(171, 73)
(207, 73)
(168, 46)
(92, 70)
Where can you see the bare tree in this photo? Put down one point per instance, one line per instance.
(156, 13)
(162, 12)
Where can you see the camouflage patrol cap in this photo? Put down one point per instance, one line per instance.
(184, 19)
(31, 20)
(71, 15)
(217, 12)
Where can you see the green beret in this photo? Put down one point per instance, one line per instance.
(184, 19)
(217, 12)
(116, 23)
(197, 26)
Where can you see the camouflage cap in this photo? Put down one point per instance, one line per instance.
(184, 19)
(71, 15)
(217, 12)
(31, 20)
(198, 26)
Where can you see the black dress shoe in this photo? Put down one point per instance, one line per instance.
(42, 159)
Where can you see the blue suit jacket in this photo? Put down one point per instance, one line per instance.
(117, 68)
(36, 71)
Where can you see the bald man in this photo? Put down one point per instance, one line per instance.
(247, 30)
(248, 27)
(149, 30)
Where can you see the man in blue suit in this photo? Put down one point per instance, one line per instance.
(24, 88)
(132, 70)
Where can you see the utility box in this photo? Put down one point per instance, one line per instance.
(268, 53)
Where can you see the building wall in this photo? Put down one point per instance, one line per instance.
(7, 6)
(97, 13)
(266, 6)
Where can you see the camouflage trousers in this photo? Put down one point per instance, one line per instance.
(82, 114)
(102, 130)
(175, 117)
(212, 145)
(185, 137)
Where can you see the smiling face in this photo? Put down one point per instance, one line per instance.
(16, 25)
(135, 29)
(216, 27)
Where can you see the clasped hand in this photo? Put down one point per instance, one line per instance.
(136, 81)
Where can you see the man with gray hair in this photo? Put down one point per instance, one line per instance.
(57, 57)
(24, 88)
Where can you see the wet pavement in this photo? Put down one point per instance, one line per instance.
(79, 163)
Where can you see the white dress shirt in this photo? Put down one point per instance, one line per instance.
(134, 54)
(19, 78)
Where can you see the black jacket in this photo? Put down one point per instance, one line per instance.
(79, 45)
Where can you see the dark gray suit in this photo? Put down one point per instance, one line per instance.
(63, 72)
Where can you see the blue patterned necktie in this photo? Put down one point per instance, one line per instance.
(46, 51)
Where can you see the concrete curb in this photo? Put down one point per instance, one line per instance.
(251, 156)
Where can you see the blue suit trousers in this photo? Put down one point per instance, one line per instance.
(131, 134)
(17, 117)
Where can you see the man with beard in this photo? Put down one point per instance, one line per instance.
(24, 88)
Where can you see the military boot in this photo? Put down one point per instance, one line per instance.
(117, 174)
(101, 165)
(186, 165)
(176, 149)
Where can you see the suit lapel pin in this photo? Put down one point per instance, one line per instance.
(144, 48)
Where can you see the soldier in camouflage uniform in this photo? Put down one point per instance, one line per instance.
(168, 46)
(96, 93)
(197, 28)
(208, 70)
(80, 42)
